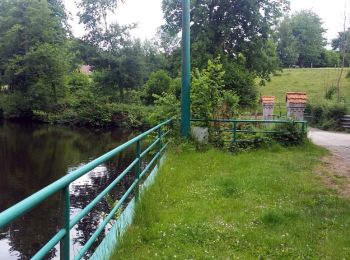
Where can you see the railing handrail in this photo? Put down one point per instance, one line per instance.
(249, 121)
(30, 202)
(235, 130)
(19, 209)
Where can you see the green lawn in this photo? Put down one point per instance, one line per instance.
(312, 81)
(266, 204)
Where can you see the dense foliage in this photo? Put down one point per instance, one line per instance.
(342, 45)
(327, 115)
(238, 29)
(235, 46)
(33, 63)
(301, 40)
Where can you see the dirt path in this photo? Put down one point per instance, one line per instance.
(336, 172)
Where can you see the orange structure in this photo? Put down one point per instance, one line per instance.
(268, 103)
(296, 103)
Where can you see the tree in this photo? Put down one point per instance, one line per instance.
(100, 32)
(301, 38)
(329, 58)
(230, 27)
(241, 82)
(58, 10)
(287, 44)
(33, 57)
(209, 98)
(117, 60)
(343, 45)
(158, 83)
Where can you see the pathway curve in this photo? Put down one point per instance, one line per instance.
(337, 143)
(339, 160)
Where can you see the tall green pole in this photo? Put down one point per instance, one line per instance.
(186, 69)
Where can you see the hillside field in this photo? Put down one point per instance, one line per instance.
(312, 81)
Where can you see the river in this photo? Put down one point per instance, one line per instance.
(33, 156)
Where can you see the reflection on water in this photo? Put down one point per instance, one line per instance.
(33, 156)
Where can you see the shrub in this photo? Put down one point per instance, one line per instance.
(209, 98)
(348, 75)
(330, 92)
(166, 106)
(158, 83)
(288, 134)
(327, 115)
(255, 142)
(239, 80)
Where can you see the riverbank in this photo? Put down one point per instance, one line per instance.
(132, 116)
(266, 204)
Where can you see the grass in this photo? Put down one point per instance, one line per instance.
(312, 81)
(266, 204)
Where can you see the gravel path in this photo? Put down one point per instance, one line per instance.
(337, 143)
(336, 174)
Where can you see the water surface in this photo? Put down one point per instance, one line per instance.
(33, 156)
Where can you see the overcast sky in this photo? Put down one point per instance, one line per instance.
(148, 15)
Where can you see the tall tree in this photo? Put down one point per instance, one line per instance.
(33, 58)
(301, 35)
(95, 16)
(118, 60)
(287, 44)
(342, 43)
(58, 9)
(230, 27)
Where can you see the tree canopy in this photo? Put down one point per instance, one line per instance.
(301, 39)
(33, 58)
(236, 28)
(341, 44)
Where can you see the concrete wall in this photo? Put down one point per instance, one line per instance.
(296, 111)
(268, 111)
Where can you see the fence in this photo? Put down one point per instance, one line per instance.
(261, 127)
(345, 121)
(62, 185)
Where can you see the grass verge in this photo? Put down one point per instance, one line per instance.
(265, 204)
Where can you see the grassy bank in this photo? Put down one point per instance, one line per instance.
(266, 204)
(312, 81)
(99, 115)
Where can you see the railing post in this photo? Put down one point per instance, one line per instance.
(186, 70)
(138, 169)
(160, 134)
(234, 131)
(65, 242)
(160, 145)
(303, 128)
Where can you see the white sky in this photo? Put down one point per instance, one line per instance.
(148, 15)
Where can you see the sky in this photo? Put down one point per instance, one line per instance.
(148, 15)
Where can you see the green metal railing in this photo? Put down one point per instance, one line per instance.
(62, 185)
(261, 127)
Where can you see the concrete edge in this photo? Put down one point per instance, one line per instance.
(116, 232)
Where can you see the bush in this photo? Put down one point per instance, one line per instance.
(158, 83)
(258, 141)
(330, 92)
(209, 98)
(327, 115)
(289, 134)
(240, 81)
(348, 75)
